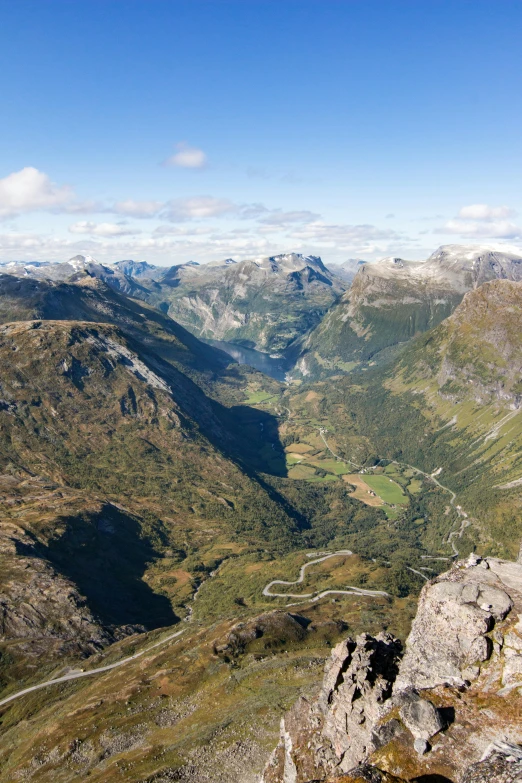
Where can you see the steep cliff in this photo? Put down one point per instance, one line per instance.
(449, 706)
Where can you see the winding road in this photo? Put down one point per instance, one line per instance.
(267, 591)
(351, 590)
(75, 675)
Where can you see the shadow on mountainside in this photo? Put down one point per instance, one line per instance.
(105, 554)
(257, 436)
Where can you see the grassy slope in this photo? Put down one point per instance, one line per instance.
(88, 299)
(364, 323)
(450, 400)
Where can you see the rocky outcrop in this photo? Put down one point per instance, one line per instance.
(338, 731)
(502, 763)
(450, 705)
(449, 638)
(275, 629)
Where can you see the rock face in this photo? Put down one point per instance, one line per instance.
(46, 607)
(450, 705)
(449, 640)
(357, 685)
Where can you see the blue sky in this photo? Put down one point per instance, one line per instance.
(172, 131)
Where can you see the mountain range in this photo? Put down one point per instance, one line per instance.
(214, 532)
(264, 304)
(391, 301)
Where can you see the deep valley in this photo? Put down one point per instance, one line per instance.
(215, 530)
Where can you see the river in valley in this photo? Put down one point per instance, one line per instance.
(275, 367)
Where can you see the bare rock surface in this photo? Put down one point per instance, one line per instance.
(448, 637)
(502, 763)
(448, 706)
(37, 604)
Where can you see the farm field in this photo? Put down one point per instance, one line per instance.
(387, 489)
(331, 465)
(362, 490)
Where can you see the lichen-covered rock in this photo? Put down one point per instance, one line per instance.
(339, 731)
(434, 712)
(502, 764)
(367, 774)
(448, 639)
(421, 718)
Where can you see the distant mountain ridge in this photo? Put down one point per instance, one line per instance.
(392, 300)
(293, 305)
(266, 304)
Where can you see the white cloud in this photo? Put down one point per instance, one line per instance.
(343, 234)
(197, 207)
(481, 220)
(102, 229)
(175, 244)
(187, 157)
(183, 231)
(498, 229)
(334, 241)
(155, 249)
(253, 211)
(29, 190)
(485, 212)
(137, 209)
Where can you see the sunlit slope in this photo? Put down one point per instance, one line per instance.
(85, 298)
(466, 377)
(450, 401)
(391, 301)
(146, 459)
(82, 405)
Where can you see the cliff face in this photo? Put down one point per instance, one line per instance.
(448, 706)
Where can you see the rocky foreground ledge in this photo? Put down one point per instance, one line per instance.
(448, 707)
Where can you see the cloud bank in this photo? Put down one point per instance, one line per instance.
(29, 190)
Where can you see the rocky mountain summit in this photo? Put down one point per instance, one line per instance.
(391, 301)
(446, 708)
(264, 303)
